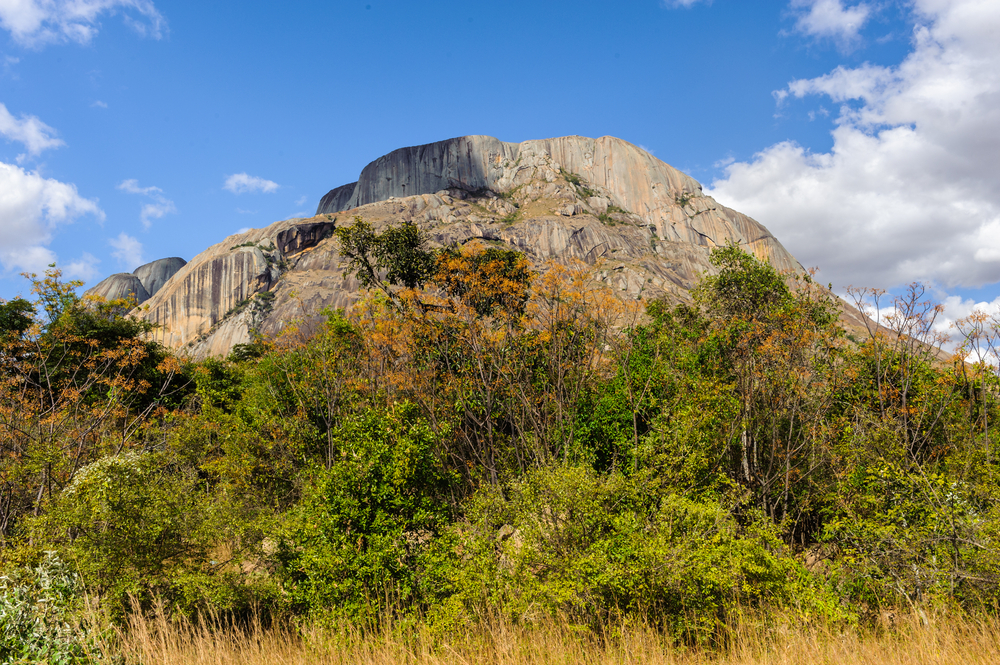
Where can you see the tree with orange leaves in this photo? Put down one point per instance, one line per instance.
(76, 382)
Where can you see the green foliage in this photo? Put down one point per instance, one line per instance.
(350, 546)
(74, 385)
(915, 537)
(41, 617)
(567, 541)
(397, 253)
(16, 317)
(607, 218)
(502, 442)
(744, 286)
(577, 182)
(131, 525)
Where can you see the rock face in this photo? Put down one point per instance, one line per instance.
(120, 285)
(634, 180)
(337, 199)
(141, 284)
(645, 227)
(154, 275)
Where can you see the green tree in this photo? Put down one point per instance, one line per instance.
(350, 547)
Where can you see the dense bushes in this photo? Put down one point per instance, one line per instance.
(351, 545)
(43, 617)
(568, 541)
(502, 443)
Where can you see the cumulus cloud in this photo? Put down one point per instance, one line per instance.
(830, 19)
(160, 206)
(84, 268)
(957, 307)
(39, 22)
(151, 211)
(910, 189)
(28, 130)
(31, 207)
(241, 183)
(128, 251)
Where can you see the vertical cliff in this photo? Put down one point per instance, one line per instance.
(669, 201)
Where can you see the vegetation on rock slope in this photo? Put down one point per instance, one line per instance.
(475, 441)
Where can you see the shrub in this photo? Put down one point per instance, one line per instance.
(565, 540)
(350, 547)
(40, 617)
(131, 524)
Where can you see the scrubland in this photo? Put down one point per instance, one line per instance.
(478, 463)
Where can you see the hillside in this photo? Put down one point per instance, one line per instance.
(646, 228)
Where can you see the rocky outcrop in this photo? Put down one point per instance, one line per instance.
(215, 299)
(469, 162)
(632, 180)
(141, 284)
(646, 228)
(337, 199)
(154, 275)
(118, 286)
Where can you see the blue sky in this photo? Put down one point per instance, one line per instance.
(863, 134)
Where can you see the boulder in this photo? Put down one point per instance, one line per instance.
(120, 285)
(154, 275)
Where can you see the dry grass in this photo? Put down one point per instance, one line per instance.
(911, 640)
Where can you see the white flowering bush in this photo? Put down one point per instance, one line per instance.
(42, 620)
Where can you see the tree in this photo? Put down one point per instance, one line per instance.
(779, 347)
(16, 318)
(73, 386)
(394, 257)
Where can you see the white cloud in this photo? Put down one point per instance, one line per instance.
(956, 307)
(302, 200)
(84, 268)
(31, 207)
(830, 19)
(240, 183)
(151, 211)
(128, 251)
(38, 22)
(98, 104)
(29, 130)
(161, 205)
(685, 4)
(724, 162)
(132, 187)
(910, 189)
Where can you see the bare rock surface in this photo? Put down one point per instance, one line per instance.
(337, 199)
(120, 285)
(154, 275)
(646, 228)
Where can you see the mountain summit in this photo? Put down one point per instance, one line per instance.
(646, 228)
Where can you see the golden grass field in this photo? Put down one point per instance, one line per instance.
(910, 640)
